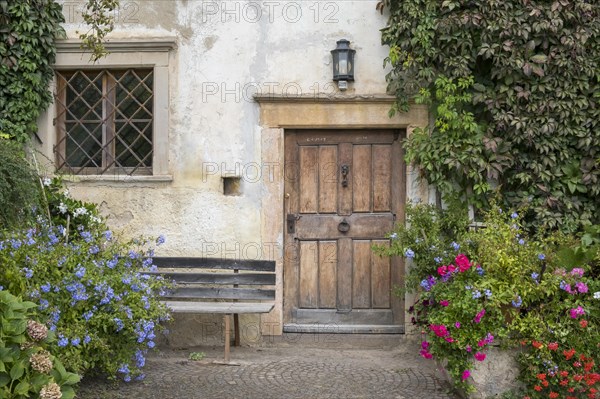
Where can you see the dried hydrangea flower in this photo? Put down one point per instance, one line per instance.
(27, 345)
(51, 391)
(41, 362)
(37, 331)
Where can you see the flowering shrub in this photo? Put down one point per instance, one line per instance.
(92, 290)
(26, 367)
(503, 286)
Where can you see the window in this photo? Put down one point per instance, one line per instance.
(105, 121)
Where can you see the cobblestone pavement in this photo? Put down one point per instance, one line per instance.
(280, 372)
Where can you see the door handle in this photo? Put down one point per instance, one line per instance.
(345, 169)
(291, 222)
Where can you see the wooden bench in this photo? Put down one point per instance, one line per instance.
(216, 286)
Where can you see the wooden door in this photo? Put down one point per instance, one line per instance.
(344, 189)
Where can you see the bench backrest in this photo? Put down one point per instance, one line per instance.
(194, 282)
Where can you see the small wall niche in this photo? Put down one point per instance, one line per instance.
(232, 186)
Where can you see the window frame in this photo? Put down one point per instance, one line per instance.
(153, 54)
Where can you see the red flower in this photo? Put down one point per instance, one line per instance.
(578, 377)
(537, 388)
(541, 376)
(537, 344)
(564, 383)
(553, 395)
(564, 373)
(588, 366)
(553, 346)
(577, 364)
(569, 354)
(462, 262)
(545, 383)
(583, 323)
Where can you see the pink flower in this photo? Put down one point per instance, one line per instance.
(439, 330)
(479, 315)
(466, 374)
(451, 268)
(444, 303)
(480, 356)
(468, 348)
(426, 354)
(581, 287)
(576, 312)
(442, 270)
(462, 262)
(424, 345)
(449, 339)
(577, 272)
(457, 324)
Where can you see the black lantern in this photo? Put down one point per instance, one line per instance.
(343, 63)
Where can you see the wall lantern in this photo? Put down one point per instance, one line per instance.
(343, 64)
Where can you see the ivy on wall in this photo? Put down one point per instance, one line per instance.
(513, 87)
(27, 32)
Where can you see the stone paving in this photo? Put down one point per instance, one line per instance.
(288, 371)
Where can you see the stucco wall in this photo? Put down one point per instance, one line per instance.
(227, 52)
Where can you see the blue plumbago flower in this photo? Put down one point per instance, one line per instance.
(34, 294)
(128, 312)
(1, 245)
(151, 344)
(43, 304)
(108, 235)
(160, 240)
(133, 255)
(455, 246)
(521, 241)
(28, 272)
(46, 287)
(62, 260)
(468, 287)
(94, 249)
(144, 330)
(514, 215)
(517, 302)
(1, 288)
(127, 378)
(417, 240)
(140, 377)
(62, 341)
(75, 341)
(488, 293)
(147, 262)
(87, 236)
(119, 323)
(409, 253)
(124, 369)
(541, 256)
(140, 360)
(476, 294)
(437, 259)
(88, 315)
(113, 262)
(480, 271)
(87, 339)
(55, 316)
(80, 271)
(15, 244)
(146, 302)
(61, 230)
(53, 239)
(126, 280)
(535, 276)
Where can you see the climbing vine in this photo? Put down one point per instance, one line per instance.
(28, 29)
(513, 88)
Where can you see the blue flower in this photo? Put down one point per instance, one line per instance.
(160, 240)
(437, 259)
(514, 215)
(80, 272)
(140, 360)
(409, 253)
(119, 323)
(113, 262)
(88, 315)
(480, 271)
(43, 304)
(46, 287)
(75, 341)
(521, 241)
(62, 341)
(133, 254)
(94, 250)
(28, 272)
(455, 246)
(87, 236)
(476, 294)
(518, 302)
(541, 256)
(127, 378)
(1, 288)
(53, 239)
(140, 377)
(151, 344)
(87, 339)
(488, 293)
(124, 369)
(108, 235)
(535, 276)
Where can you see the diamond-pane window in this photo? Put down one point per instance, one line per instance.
(104, 121)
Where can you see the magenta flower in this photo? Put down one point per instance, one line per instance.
(424, 345)
(468, 348)
(576, 312)
(466, 374)
(480, 356)
(439, 330)
(577, 272)
(581, 287)
(457, 324)
(462, 262)
(479, 315)
(425, 353)
(444, 303)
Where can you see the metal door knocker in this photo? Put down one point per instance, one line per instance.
(344, 226)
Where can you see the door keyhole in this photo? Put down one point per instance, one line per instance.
(345, 170)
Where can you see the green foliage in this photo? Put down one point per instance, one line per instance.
(20, 190)
(26, 368)
(498, 283)
(27, 53)
(197, 356)
(94, 291)
(99, 17)
(528, 123)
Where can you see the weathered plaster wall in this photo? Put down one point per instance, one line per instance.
(227, 52)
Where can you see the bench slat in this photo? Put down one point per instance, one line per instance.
(221, 293)
(214, 263)
(220, 278)
(218, 307)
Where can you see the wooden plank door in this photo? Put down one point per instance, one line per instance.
(344, 190)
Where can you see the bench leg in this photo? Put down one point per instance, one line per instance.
(227, 339)
(236, 330)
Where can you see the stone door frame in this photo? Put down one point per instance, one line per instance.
(278, 113)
